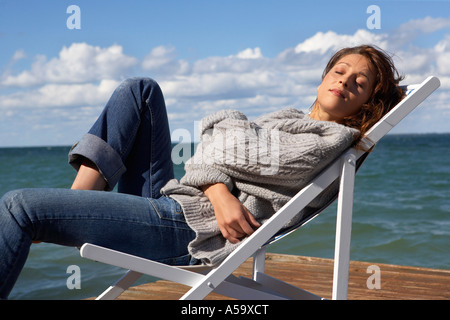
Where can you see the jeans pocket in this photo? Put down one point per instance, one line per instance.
(167, 209)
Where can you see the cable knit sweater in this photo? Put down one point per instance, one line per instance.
(264, 163)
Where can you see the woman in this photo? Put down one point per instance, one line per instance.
(242, 172)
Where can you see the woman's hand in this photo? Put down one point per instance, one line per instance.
(234, 220)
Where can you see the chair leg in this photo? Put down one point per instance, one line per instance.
(344, 229)
(120, 286)
(259, 263)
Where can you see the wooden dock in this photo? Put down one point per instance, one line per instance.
(316, 275)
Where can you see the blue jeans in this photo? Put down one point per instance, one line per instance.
(130, 144)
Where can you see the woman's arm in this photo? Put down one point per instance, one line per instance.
(234, 220)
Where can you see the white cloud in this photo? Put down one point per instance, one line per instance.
(245, 61)
(408, 31)
(18, 55)
(78, 63)
(60, 95)
(442, 50)
(250, 54)
(321, 42)
(162, 61)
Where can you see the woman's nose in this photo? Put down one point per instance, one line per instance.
(343, 82)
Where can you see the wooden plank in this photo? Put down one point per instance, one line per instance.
(316, 275)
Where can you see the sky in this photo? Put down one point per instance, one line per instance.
(59, 66)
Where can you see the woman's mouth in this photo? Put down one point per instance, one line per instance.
(337, 93)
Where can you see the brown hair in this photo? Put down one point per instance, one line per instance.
(386, 92)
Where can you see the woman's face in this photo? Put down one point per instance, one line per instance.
(344, 89)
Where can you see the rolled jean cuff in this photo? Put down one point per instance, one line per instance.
(107, 160)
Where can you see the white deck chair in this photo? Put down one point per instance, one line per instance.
(220, 279)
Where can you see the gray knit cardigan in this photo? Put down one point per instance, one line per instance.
(264, 163)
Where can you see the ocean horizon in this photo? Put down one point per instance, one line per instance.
(401, 214)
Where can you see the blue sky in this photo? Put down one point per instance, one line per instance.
(255, 56)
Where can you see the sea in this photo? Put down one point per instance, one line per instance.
(401, 216)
